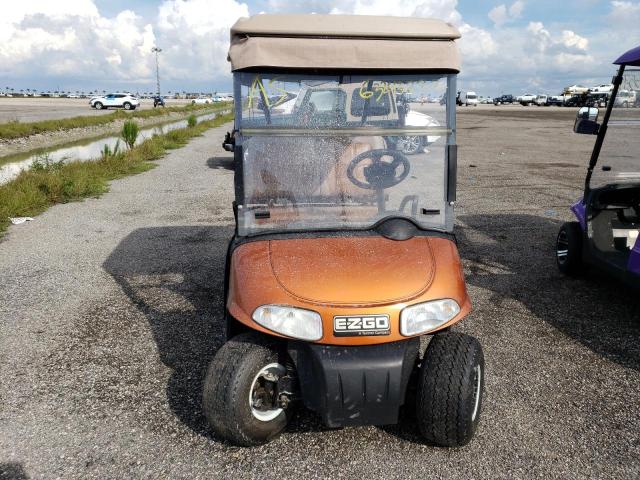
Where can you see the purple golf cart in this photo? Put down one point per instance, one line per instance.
(606, 233)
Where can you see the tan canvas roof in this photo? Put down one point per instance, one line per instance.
(369, 26)
(343, 41)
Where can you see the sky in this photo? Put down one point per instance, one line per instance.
(519, 46)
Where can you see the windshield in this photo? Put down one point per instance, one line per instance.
(619, 159)
(342, 151)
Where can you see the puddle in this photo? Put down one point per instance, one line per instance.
(88, 150)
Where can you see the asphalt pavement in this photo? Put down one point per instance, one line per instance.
(110, 310)
(36, 109)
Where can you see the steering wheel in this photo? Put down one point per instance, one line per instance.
(379, 174)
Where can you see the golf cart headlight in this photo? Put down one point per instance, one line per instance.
(424, 317)
(289, 321)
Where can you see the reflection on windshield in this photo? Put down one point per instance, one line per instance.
(619, 159)
(342, 152)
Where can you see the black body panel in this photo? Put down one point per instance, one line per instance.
(359, 385)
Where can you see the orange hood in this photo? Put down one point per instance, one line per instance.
(353, 270)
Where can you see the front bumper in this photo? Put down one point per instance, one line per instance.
(362, 385)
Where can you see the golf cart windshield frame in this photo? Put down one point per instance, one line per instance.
(604, 126)
(267, 126)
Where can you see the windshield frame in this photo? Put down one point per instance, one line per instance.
(449, 161)
(607, 122)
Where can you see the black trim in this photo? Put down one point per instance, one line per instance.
(602, 131)
(355, 385)
(372, 231)
(238, 179)
(348, 71)
(452, 172)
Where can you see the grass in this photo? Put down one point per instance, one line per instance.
(35, 190)
(16, 129)
(130, 132)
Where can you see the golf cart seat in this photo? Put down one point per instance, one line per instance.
(615, 218)
(327, 174)
(337, 184)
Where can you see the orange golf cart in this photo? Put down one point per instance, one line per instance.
(344, 256)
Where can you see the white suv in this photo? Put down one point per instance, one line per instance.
(120, 100)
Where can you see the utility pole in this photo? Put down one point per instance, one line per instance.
(157, 50)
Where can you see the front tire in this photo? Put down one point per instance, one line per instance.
(234, 388)
(98, 106)
(450, 386)
(126, 105)
(569, 249)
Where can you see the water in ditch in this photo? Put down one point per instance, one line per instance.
(89, 150)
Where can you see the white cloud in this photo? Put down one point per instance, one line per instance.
(74, 40)
(573, 40)
(194, 40)
(442, 9)
(500, 14)
(476, 43)
(516, 8)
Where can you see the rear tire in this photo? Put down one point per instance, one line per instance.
(228, 388)
(450, 386)
(569, 249)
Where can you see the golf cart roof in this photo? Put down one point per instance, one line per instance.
(343, 42)
(632, 57)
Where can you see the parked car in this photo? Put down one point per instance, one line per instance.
(527, 99)
(605, 88)
(576, 90)
(201, 100)
(468, 98)
(625, 98)
(556, 101)
(503, 100)
(280, 104)
(597, 100)
(118, 100)
(323, 104)
(576, 101)
(541, 100)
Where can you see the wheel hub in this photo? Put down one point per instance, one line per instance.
(562, 247)
(476, 391)
(263, 397)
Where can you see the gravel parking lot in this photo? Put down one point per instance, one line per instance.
(35, 109)
(110, 312)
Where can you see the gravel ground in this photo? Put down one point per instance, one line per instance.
(35, 109)
(110, 308)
